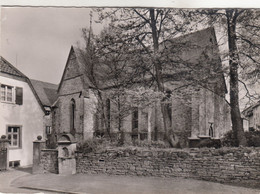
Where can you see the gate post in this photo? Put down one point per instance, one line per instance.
(38, 145)
(4, 146)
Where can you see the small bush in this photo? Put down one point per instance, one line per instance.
(152, 144)
(209, 143)
(95, 144)
(253, 138)
(160, 144)
(228, 140)
(89, 145)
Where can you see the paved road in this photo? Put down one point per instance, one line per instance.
(102, 184)
(7, 177)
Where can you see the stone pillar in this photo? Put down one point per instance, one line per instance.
(4, 144)
(202, 112)
(88, 118)
(38, 145)
(195, 132)
(210, 109)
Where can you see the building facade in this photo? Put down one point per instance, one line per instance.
(21, 114)
(252, 117)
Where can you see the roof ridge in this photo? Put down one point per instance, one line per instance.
(43, 82)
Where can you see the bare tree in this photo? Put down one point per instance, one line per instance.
(241, 29)
(153, 30)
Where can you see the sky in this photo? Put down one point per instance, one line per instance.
(37, 40)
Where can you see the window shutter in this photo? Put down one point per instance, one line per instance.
(19, 95)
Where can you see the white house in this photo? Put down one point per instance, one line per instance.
(252, 117)
(21, 114)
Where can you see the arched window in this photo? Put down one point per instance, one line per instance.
(72, 116)
(108, 113)
(135, 118)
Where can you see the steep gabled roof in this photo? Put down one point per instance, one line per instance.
(247, 111)
(80, 66)
(196, 47)
(199, 41)
(8, 69)
(47, 92)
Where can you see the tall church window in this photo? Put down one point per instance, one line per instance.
(72, 116)
(108, 114)
(135, 118)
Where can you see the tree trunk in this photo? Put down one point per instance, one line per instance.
(237, 125)
(169, 136)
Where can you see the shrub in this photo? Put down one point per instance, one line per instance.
(89, 145)
(210, 143)
(253, 138)
(152, 144)
(92, 145)
(228, 139)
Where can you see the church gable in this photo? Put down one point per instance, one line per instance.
(72, 79)
(72, 69)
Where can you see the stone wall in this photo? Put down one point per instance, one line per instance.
(219, 165)
(49, 161)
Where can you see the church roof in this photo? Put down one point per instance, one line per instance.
(192, 46)
(79, 65)
(47, 92)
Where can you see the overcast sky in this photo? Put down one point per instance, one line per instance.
(37, 40)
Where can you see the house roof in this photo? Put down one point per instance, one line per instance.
(9, 69)
(249, 109)
(47, 92)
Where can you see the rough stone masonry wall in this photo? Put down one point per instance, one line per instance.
(49, 161)
(219, 165)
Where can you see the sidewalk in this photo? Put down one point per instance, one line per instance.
(98, 184)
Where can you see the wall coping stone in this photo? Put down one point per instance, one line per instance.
(39, 141)
(49, 150)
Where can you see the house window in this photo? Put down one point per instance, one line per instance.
(14, 136)
(7, 93)
(15, 163)
(12, 94)
(48, 130)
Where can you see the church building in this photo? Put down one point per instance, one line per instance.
(196, 113)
